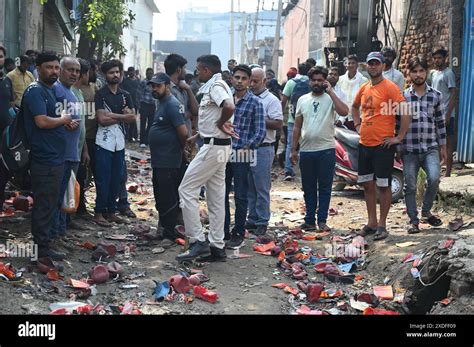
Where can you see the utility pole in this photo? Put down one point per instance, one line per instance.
(254, 41)
(232, 30)
(276, 46)
(243, 38)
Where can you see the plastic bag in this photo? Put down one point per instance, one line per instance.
(71, 196)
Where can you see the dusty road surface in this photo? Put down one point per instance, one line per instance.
(244, 282)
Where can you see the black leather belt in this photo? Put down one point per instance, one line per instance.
(218, 142)
(266, 145)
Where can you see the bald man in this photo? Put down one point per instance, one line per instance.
(260, 177)
(67, 102)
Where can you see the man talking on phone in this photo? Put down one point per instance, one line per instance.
(314, 126)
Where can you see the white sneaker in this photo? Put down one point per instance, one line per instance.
(142, 145)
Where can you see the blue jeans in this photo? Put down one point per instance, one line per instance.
(62, 219)
(430, 163)
(289, 139)
(109, 177)
(240, 173)
(123, 203)
(317, 175)
(260, 184)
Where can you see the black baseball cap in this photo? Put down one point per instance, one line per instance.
(160, 78)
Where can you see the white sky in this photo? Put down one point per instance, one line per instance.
(165, 25)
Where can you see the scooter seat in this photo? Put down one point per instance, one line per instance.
(348, 137)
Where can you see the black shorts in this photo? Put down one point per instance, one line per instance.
(376, 163)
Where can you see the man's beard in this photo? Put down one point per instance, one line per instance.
(375, 75)
(51, 80)
(158, 96)
(418, 83)
(113, 81)
(318, 89)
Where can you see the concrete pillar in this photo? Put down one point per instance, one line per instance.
(31, 25)
(2, 25)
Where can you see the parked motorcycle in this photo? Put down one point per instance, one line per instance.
(347, 152)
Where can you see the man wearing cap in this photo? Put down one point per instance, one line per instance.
(380, 100)
(167, 137)
(208, 167)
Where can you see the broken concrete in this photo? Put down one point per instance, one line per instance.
(459, 185)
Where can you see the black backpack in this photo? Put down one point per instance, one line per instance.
(14, 145)
(301, 88)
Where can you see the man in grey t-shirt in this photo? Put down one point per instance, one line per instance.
(444, 81)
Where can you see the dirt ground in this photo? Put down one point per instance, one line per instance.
(244, 285)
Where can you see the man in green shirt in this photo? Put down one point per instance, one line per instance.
(314, 130)
(84, 112)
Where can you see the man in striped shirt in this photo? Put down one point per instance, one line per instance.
(249, 124)
(424, 145)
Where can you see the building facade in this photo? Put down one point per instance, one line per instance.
(27, 24)
(138, 38)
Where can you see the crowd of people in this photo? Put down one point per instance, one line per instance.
(214, 132)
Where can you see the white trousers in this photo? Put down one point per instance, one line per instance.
(207, 169)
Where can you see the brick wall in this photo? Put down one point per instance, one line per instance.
(433, 23)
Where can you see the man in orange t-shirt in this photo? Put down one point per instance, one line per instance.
(380, 101)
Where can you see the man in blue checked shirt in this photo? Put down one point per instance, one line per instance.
(424, 144)
(249, 124)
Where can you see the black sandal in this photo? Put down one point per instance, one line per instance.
(434, 221)
(366, 230)
(414, 229)
(381, 234)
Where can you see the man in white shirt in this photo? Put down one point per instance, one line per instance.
(350, 83)
(208, 167)
(114, 107)
(390, 72)
(333, 79)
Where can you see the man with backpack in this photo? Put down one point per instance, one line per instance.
(46, 133)
(294, 89)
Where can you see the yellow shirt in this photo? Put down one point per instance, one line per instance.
(20, 81)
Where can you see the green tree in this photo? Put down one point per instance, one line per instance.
(100, 26)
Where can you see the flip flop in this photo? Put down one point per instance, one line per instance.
(434, 221)
(456, 224)
(366, 230)
(381, 234)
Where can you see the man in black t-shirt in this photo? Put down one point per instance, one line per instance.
(167, 137)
